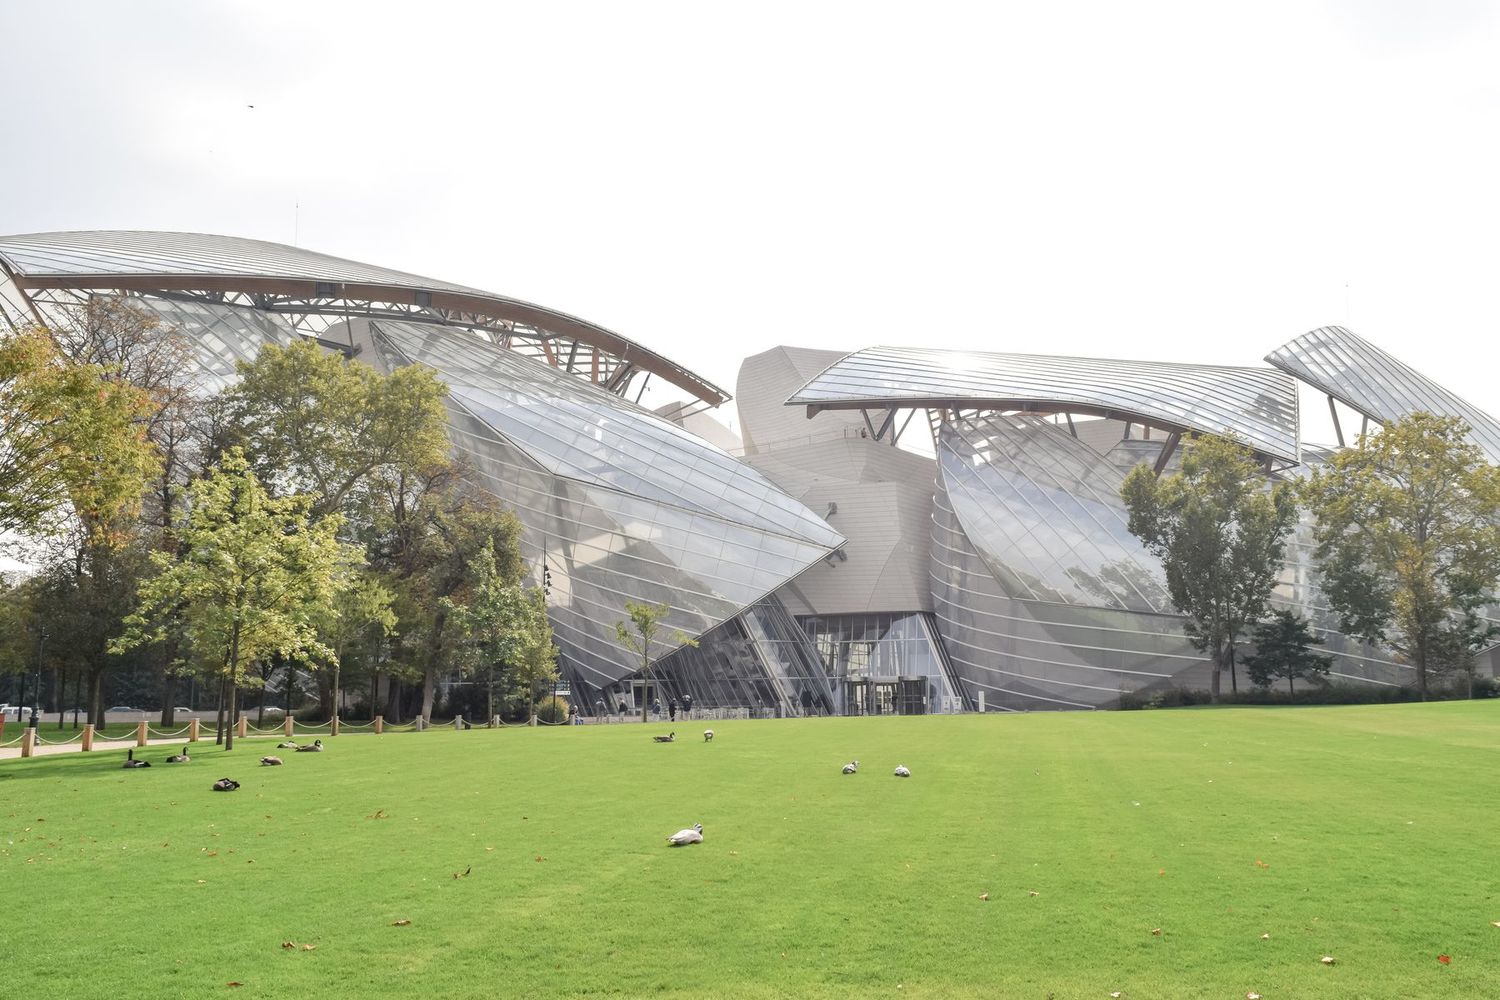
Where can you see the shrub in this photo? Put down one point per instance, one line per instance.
(552, 710)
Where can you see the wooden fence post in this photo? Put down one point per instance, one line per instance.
(2, 727)
(88, 736)
(286, 725)
(193, 730)
(28, 741)
(379, 724)
(244, 721)
(140, 733)
(333, 725)
(458, 722)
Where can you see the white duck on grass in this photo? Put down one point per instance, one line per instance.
(902, 771)
(684, 837)
(851, 767)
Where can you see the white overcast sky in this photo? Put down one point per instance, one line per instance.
(1175, 181)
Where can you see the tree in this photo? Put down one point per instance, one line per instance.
(315, 422)
(1408, 535)
(647, 619)
(1220, 534)
(1283, 649)
(70, 439)
(504, 624)
(428, 554)
(363, 604)
(249, 579)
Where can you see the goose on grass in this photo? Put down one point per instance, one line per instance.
(684, 837)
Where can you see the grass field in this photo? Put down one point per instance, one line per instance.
(1361, 833)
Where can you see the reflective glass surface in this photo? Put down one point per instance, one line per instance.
(1257, 404)
(861, 653)
(1344, 365)
(622, 505)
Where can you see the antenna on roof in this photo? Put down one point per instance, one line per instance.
(296, 221)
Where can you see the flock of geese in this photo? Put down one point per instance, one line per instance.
(226, 784)
(694, 834)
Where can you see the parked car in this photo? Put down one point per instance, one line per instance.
(123, 708)
(183, 709)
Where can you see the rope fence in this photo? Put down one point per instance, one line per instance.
(206, 732)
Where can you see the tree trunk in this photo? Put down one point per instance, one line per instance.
(77, 696)
(429, 685)
(334, 712)
(234, 685)
(1291, 686)
(96, 697)
(1234, 682)
(168, 687)
(219, 722)
(1421, 663)
(62, 693)
(1213, 683)
(393, 699)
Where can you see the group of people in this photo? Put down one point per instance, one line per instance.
(673, 705)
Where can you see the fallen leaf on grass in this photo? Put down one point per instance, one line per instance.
(984, 895)
(464, 873)
(1032, 892)
(235, 983)
(1265, 937)
(1495, 923)
(201, 882)
(1261, 864)
(1156, 932)
(286, 945)
(1117, 994)
(1327, 959)
(1252, 995)
(308, 947)
(1161, 871)
(377, 814)
(540, 858)
(400, 923)
(1444, 959)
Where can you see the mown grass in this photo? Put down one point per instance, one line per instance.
(1361, 833)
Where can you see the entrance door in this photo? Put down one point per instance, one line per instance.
(912, 696)
(856, 693)
(883, 698)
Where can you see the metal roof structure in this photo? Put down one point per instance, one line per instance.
(316, 291)
(1257, 405)
(1344, 366)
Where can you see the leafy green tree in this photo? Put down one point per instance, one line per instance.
(1283, 650)
(316, 423)
(642, 632)
(1220, 533)
(248, 581)
(504, 625)
(71, 439)
(363, 606)
(425, 542)
(1408, 533)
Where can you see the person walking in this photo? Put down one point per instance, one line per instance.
(687, 705)
(672, 708)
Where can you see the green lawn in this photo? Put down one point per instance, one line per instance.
(1362, 833)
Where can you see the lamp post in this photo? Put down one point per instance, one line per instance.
(41, 641)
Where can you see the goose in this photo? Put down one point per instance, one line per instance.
(708, 736)
(316, 747)
(851, 767)
(902, 771)
(179, 758)
(288, 745)
(684, 837)
(670, 737)
(226, 785)
(271, 761)
(131, 763)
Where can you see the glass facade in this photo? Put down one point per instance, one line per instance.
(620, 504)
(883, 664)
(1258, 404)
(1344, 365)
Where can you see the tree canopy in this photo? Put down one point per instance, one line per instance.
(251, 572)
(1408, 535)
(1283, 651)
(71, 439)
(1220, 531)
